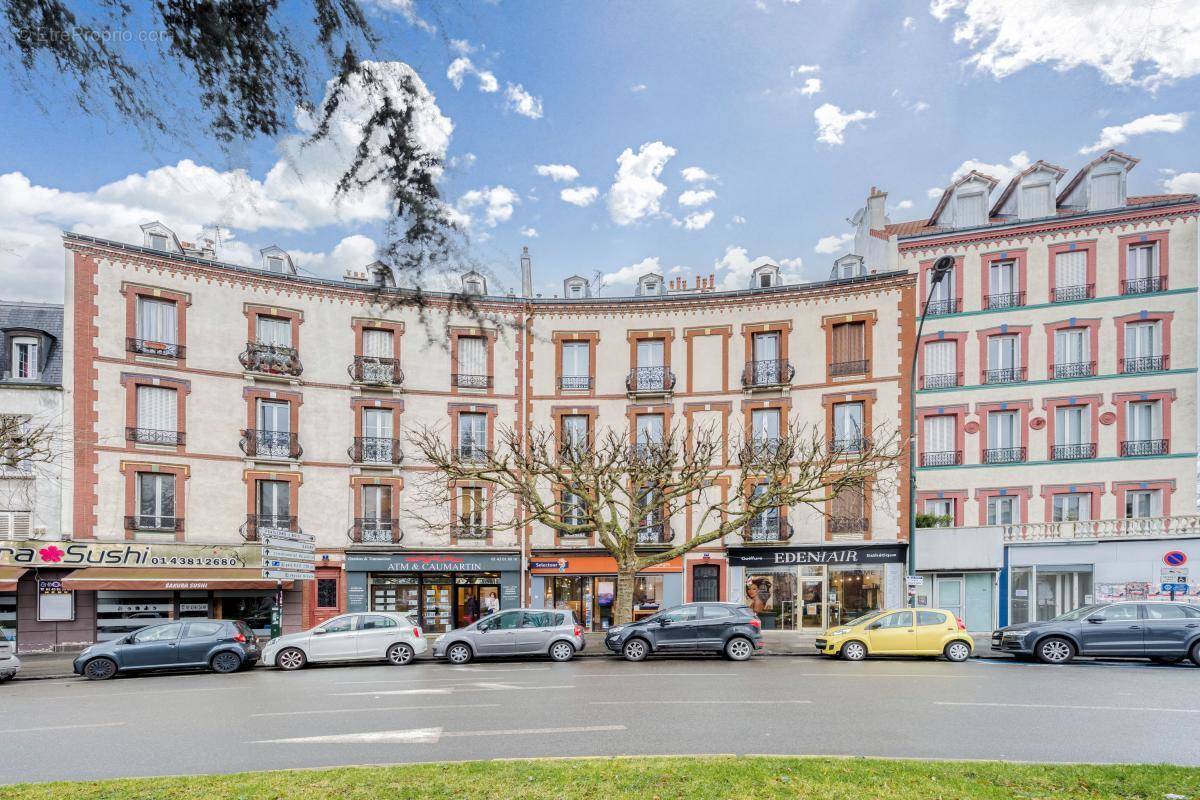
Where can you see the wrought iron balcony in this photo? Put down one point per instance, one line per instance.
(946, 380)
(1075, 369)
(941, 458)
(1156, 283)
(461, 381)
(940, 308)
(471, 531)
(1004, 375)
(850, 444)
(258, 443)
(1068, 294)
(574, 383)
(150, 522)
(271, 359)
(149, 347)
(1072, 452)
(1007, 300)
(650, 380)
(1004, 455)
(842, 369)
(256, 524)
(848, 524)
(374, 371)
(654, 534)
(1146, 447)
(470, 452)
(375, 450)
(574, 534)
(151, 436)
(1131, 366)
(767, 528)
(374, 530)
(771, 372)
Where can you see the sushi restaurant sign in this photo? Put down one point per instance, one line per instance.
(32, 553)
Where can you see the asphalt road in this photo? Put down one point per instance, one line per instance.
(264, 719)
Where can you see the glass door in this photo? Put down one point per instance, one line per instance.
(812, 609)
(603, 594)
(436, 610)
(949, 594)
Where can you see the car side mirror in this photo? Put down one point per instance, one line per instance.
(664, 621)
(874, 626)
(1095, 620)
(319, 632)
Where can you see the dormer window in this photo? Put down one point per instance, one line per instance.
(651, 287)
(25, 358)
(1107, 188)
(576, 291)
(1035, 201)
(275, 264)
(764, 280)
(158, 241)
(972, 210)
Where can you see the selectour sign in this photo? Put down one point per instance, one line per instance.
(75, 554)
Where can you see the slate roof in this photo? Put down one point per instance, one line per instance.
(43, 318)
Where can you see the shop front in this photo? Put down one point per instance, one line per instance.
(812, 588)
(960, 572)
(587, 585)
(445, 590)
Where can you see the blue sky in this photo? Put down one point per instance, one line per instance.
(700, 137)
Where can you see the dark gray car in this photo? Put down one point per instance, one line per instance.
(514, 632)
(221, 645)
(1163, 632)
(731, 629)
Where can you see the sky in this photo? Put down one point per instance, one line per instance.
(685, 138)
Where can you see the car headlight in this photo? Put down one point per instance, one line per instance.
(840, 632)
(85, 651)
(617, 629)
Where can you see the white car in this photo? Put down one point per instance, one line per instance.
(10, 665)
(377, 636)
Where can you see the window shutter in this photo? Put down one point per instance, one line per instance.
(1070, 269)
(16, 524)
(849, 342)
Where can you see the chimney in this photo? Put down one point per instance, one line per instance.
(526, 273)
(876, 201)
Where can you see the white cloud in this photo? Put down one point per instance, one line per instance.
(735, 266)
(909, 23)
(497, 203)
(833, 244)
(466, 161)
(1001, 172)
(1129, 42)
(903, 205)
(934, 192)
(462, 66)
(529, 233)
(696, 197)
(629, 275)
(352, 252)
(832, 122)
(522, 101)
(805, 69)
(462, 47)
(580, 195)
(738, 219)
(638, 87)
(677, 269)
(557, 172)
(1183, 183)
(696, 175)
(1116, 135)
(698, 220)
(636, 189)
(407, 9)
(811, 87)
(919, 106)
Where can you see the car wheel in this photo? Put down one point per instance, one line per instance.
(400, 654)
(957, 651)
(99, 669)
(1055, 650)
(225, 662)
(1196, 654)
(854, 651)
(739, 648)
(562, 651)
(635, 650)
(459, 654)
(1167, 659)
(291, 658)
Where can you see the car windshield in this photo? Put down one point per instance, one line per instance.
(869, 615)
(1078, 613)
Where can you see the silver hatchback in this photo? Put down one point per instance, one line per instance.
(515, 632)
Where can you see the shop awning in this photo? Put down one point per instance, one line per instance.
(9, 577)
(102, 578)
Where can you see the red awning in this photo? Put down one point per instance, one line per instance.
(9, 577)
(98, 578)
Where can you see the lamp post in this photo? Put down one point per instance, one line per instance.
(941, 268)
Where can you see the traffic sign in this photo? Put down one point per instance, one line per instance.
(915, 580)
(288, 544)
(1173, 575)
(1175, 558)
(270, 552)
(291, 536)
(298, 566)
(287, 575)
(1177, 588)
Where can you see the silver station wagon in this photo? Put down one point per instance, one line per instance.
(515, 632)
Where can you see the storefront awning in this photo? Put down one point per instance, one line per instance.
(9, 577)
(590, 565)
(100, 578)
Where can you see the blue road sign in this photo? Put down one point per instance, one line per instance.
(1177, 588)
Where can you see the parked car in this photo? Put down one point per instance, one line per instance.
(899, 632)
(1163, 632)
(516, 632)
(221, 645)
(10, 665)
(730, 629)
(377, 636)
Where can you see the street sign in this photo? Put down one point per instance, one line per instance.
(291, 536)
(1177, 588)
(297, 566)
(915, 580)
(295, 555)
(270, 540)
(287, 575)
(1175, 558)
(1173, 575)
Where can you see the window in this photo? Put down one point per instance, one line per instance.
(573, 511)
(203, 630)
(373, 622)
(1001, 510)
(1168, 611)
(849, 349)
(1143, 421)
(472, 362)
(1003, 288)
(576, 365)
(1003, 436)
(972, 209)
(1070, 276)
(155, 501)
(508, 620)
(1035, 201)
(1071, 425)
(649, 429)
(378, 446)
(157, 321)
(1105, 191)
(16, 524)
(327, 593)
(576, 290)
(1004, 359)
(274, 503)
(538, 619)
(931, 618)
(650, 353)
(942, 299)
(651, 287)
(764, 280)
(940, 365)
(1143, 503)
(848, 510)
(377, 343)
(943, 509)
(274, 264)
(377, 517)
(1143, 347)
(764, 425)
(273, 331)
(159, 633)
(472, 435)
(339, 625)
(901, 619)
(157, 415)
(684, 614)
(848, 427)
(158, 241)
(940, 441)
(717, 612)
(1122, 612)
(1072, 507)
(766, 346)
(575, 432)
(1071, 346)
(1141, 262)
(764, 527)
(470, 508)
(473, 286)
(25, 358)
(273, 437)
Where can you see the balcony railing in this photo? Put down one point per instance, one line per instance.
(653, 534)
(1146, 447)
(1003, 375)
(148, 522)
(941, 458)
(764, 528)
(842, 369)
(256, 524)
(258, 443)
(1068, 294)
(1004, 455)
(272, 359)
(771, 372)
(1006, 300)
(1075, 369)
(461, 381)
(650, 380)
(1133, 528)
(1156, 283)
(149, 347)
(375, 450)
(1073, 452)
(471, 531)
(1132, 366)
(940, 308)
(471, 452)
(151, 436)
(374, 371)
(850, 444)
(848, 524)
(373, 530)
(574, 383)
(946, 380)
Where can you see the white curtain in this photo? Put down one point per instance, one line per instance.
(575, 359)
(156, 321)
(377, 344)
(848, 420)
(765, 422)
(274, 416)
(939, 434)
(377, 423)
(274, 331)
(472, 431)
(649, 428)
(1141, 261)
(941, 358)
(1003, 353)
(1071, 425)
(650, 353)
(1070, 346)
(1002, 278)
(157, 409)
(472, 355)
(1143, 339)
(1144, 421)
(1070, 269)
(1002, 430)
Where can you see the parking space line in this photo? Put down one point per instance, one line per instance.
(1072, 708)
(66, 727)
(694, 702)
(364, 710)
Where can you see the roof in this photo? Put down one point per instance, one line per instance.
(44, 317)
(1086, 168)
(1016, 180)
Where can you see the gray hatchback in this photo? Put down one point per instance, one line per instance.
(515, 632)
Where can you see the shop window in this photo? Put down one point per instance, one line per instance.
(55, 604)
(772, 596)
(853, 592)
(1041, 593)
(647, 593)
(327, 593)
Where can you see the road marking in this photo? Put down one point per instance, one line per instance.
(465, 689)
(625, 675)
(431, 735)
(65, 727)
(934, 675)
(362, 710)
(1073, 708)
(445, 690)
(690, 702)
(98, 694)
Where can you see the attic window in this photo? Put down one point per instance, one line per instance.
(764, 280)
(1034, 201)
(1106, 191)
(158, 241)
(274, 264)
(972, 209)
(25, 358)
(651, 287)
(473, 286)
(576, 290)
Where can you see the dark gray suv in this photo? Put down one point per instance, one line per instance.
(221, 645)
(731, 629)
(1166, 633)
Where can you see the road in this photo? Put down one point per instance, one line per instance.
(264, 719)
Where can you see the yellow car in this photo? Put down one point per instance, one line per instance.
(892, 632)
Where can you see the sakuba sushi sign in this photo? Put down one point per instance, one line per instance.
(29, 553)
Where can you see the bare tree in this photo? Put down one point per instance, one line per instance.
(25, 442)
(628, 494)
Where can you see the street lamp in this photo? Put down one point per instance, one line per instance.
(941, 268)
